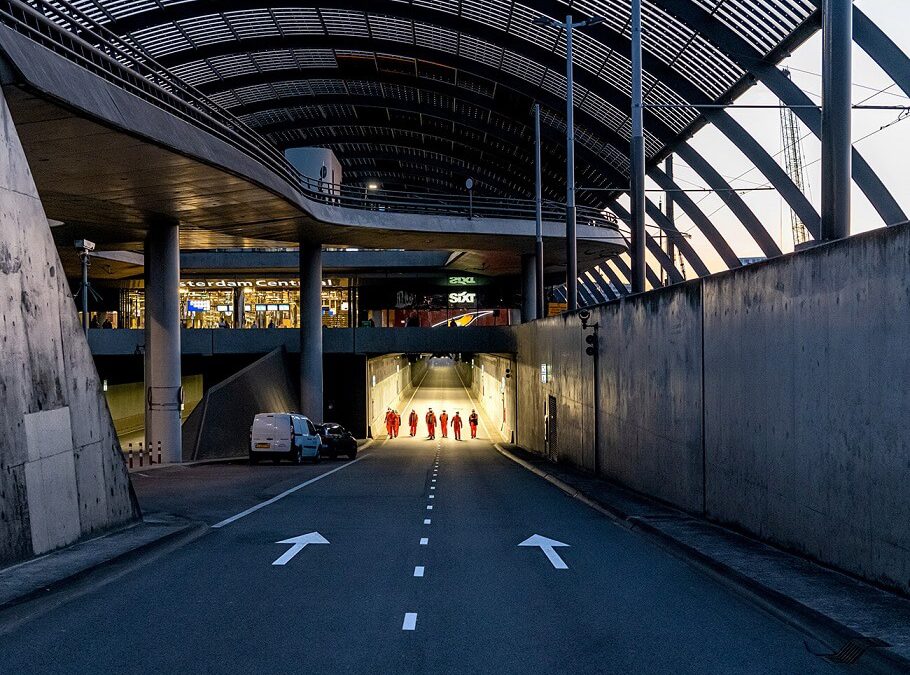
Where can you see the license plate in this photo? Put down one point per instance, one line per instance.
(263, 445)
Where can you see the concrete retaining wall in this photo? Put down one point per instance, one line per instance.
(62, 475)
(391, 380)
(220, 425)
(771, 398)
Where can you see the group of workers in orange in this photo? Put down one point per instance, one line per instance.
(393, 423)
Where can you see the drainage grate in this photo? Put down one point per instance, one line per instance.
(853, 649)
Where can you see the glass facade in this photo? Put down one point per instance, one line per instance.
(245, 303)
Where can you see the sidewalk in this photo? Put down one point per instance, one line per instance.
(860, 624)
(86, 564)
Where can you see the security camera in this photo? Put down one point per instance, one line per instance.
(84, 245)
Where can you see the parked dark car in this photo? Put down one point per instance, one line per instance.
(336, 440)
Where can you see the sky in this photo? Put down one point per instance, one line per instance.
(884, 149)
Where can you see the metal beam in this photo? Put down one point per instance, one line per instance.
(837, 73)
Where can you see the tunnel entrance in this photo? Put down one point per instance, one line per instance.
(448, 384)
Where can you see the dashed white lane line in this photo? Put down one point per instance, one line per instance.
(432, 496)
(432, 487)
(434, 480)
(410, 621)
(424, 541)
(426, 521)
(429, 507)
(418, 571)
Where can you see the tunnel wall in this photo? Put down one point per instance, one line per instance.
(62, 475)
(491, 381)
(396, 378)
(771, 398)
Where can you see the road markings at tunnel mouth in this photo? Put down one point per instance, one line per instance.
(548, 546)
(297, 545)
(290, 491)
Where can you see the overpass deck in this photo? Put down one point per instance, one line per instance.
(226, 341)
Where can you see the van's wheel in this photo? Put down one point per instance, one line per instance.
(317, 459)
(298, 456)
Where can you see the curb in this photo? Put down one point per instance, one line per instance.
(874, 660)
(15, 611)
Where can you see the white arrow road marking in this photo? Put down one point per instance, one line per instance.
(547, 545)
(297, 545)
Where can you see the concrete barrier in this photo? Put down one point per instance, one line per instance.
(62, 475)
(771, 398)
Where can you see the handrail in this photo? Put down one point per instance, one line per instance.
(72, 34)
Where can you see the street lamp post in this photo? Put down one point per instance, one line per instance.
(571, 244)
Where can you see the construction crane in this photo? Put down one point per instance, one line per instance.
(794, 165)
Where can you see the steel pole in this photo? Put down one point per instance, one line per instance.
(311, 375)
(637, 159)
(837, 64)
(571, 246)
(538, 216)
(84, 257)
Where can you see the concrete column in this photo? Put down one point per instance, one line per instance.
(837, 149)
(528, 288)
(311, 330)
(163, 391)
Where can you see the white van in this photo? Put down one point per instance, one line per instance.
(279, 436)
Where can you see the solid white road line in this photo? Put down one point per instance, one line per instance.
(418, 571)
(426, 521)
(410, 621)
(268, 502)
(424, 541)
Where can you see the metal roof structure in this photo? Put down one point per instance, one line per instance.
(420, 94)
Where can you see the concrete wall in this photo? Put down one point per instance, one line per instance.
(491, 380)
(220, 424)
(391, 380)
(771, 398)
(62, 475)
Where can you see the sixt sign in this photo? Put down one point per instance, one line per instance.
(462, 281)
(462, 298)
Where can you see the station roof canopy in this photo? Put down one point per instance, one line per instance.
(421, 94)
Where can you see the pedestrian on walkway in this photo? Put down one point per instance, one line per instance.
(444, 424)
(388, 422)
(431, 424)
(412, 420)
(472, 421)
(456, 425)
(396, 427)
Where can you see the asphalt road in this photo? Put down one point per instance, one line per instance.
(478, 602)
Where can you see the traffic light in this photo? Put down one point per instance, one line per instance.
(591, 339)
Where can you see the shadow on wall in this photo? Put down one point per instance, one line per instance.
(220, 424)
(392, 380)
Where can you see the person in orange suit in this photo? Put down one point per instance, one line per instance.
(412, 420)
(472, 421)
(431, 424)
(396, 424)
(444, 424)
(456, 426)
(388, 422)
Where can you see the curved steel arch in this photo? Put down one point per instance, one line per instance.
(749, 221)
(656, 250)
(791, 95)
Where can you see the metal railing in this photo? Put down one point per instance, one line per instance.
(72, 34)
